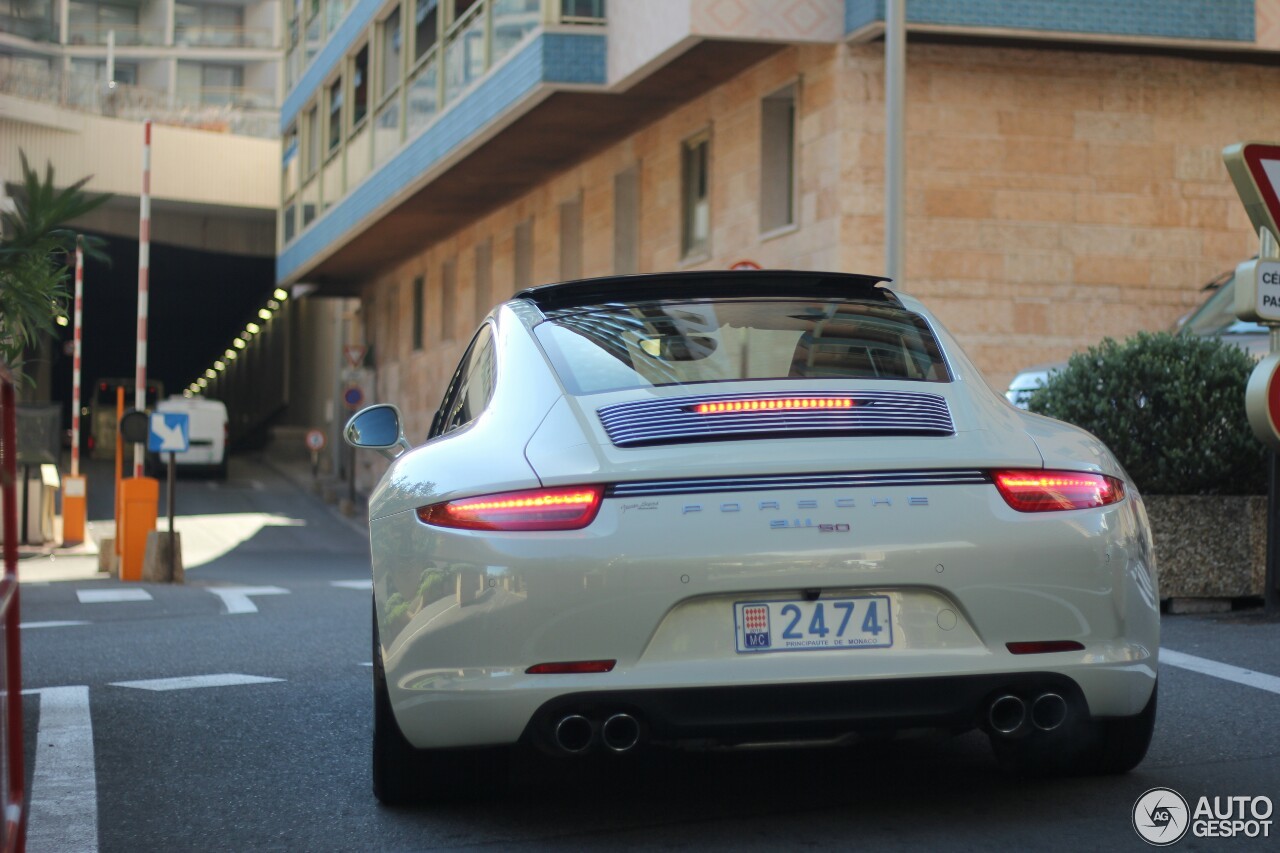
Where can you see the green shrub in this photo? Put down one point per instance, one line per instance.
(1171, 408)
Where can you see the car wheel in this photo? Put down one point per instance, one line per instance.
(404, 774)
(1107, 746)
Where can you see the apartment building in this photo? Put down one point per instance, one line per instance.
(1064, 178)
(210, 62)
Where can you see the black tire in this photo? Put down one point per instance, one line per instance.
(1101, 747)
(404, 774)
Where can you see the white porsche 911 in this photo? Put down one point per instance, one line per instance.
(741, 508)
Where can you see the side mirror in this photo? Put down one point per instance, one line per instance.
(378, 428)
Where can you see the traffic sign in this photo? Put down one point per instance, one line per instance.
(745, 265)
(1255, 170)
(355, 354)
(353, 397)
(170, 432)
(315, 440)
(1262, 401)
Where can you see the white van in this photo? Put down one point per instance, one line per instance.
(207, 449)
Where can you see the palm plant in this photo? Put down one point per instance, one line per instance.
(35, 246)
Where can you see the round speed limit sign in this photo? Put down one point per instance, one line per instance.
(315, 440)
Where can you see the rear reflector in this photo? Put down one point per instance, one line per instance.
(775, 404)
(569, 508)
(574, 667)
(1046, 491)
(1044, 647)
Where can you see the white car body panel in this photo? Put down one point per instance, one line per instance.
(652, 581)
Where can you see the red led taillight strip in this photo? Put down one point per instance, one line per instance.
(535, 509)
(773, 405)
(1046, 491)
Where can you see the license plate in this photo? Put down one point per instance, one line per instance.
(811, 626)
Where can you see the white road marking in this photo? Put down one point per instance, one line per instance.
(190, 682)
(367, 583)
(63, 813)
(26, 625)
(236, 598)
(109, 596)
(367, 663)
(1225, 671)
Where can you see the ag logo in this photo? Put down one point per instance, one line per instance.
(1161, 816)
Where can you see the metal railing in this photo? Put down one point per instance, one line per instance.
(237, 97)
(126, 36)
(246, 115)
(12, 766)
(201, 35)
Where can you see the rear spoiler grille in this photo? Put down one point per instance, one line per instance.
(679, 420)
(770, 482)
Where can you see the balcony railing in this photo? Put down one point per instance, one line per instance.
(205, 36)
(126, 36)
(228, 96)
(84, 93)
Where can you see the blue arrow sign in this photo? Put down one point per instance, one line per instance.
(170, 432)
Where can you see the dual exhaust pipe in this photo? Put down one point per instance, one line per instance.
(1010, 715)
(576, 734)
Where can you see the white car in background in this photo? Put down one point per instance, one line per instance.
(729, 509)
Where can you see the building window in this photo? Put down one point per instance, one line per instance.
(626, 222)
(695, 195)
(571, 239)
(335, 115)
(425, 31)
(391, 58)
(524, 254)
(419, 310)
(448, 298)
(311, 134)
(360, 87)
(778, 160)
(484, 277)
(581, 11)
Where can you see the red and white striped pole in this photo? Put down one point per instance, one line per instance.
(73, 485)
(144, 269)
(75, 359)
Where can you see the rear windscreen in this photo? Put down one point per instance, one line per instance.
(648, 344)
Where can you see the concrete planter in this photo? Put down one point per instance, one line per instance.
(1209, 546)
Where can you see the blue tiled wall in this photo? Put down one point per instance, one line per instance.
(1230, 20)
(548, 58)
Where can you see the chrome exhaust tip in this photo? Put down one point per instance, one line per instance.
(1048, 711)
(574, 733)
(1007, 714)
(620, 733)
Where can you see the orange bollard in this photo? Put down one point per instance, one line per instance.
(140, 503)
(73, 509)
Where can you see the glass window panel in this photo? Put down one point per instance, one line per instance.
(424, 95)
(425, 30)
(359, 155)
(391, 54)
(335, 114)
(311, 127)
(464, 57)
(696, 197)
(512, 21)
(333, 12)
(386, 137)
(360, 87)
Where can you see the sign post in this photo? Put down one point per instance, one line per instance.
(315, 443)
(170, 432)
(1255, 170)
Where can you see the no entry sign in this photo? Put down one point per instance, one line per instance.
(1262, 401)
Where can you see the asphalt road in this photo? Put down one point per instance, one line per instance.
(263, 741)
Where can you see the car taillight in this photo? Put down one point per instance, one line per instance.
(1046, 491)
(535, 509)
(773, 404)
